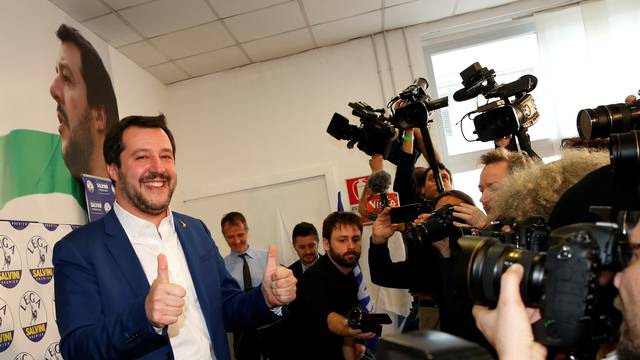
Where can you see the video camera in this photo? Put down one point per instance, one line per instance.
(501, 117)
(367, 322)
(377, 131)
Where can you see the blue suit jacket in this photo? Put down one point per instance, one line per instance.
(100, 288)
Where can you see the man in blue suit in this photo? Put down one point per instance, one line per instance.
(144, 282)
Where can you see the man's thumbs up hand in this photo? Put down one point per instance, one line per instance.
(165, 301)
(278, 282)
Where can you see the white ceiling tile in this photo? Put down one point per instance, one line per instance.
(388, 3)
(266, 22)
(143, 54)
(320, 11)
(82, 10)
(345, 29)
(121, 4)
(112, 30)
(193, 41)
(226, 8)
(213, 61)
(164, 16)
(417, 12)
(279, 45)
(168, 73)
(465, 6)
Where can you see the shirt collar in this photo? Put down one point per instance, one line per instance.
(137, 227)
(250, 253)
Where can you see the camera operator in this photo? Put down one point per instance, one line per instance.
(537, 188)
(508, 329)
(423, 273)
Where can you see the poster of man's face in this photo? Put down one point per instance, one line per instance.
(86, 103)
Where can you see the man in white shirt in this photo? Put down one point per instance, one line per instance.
(144, 282)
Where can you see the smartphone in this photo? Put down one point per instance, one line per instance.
(406, 213)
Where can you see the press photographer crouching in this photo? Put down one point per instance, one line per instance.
(422, 272)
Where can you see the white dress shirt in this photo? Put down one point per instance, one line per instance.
(189, 336)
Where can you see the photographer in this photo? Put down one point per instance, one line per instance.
(425, 272)
(508, 329)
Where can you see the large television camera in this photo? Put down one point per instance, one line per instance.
(377, 130)
(512, 113)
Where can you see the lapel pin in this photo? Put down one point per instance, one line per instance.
(184, 225)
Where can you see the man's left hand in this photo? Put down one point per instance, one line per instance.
(278, 282)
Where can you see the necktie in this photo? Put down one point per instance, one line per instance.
(246, 273)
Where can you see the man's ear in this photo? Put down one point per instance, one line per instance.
(112, 170)
(325, 244)
(99, 117)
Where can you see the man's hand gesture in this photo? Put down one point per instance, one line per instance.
(278, 282)
(165, 301)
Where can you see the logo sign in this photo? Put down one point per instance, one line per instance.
(37, 256)
(374, 202)
(19, 225)
(11, 269)
(33, 316)
(6, 326)
(53, 352)
(24, 356)
(355, 187)
(100, 195)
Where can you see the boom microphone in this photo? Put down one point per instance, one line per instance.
(379, 182)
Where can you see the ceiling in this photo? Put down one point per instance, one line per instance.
(175, 40)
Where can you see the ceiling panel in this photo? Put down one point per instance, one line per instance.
(168, 73)
(226, 8)
(417, 12)
(328, 10)
(213, 61)
(345, 29)
(143, 54)
(279, 45)
(112, 30)
(82, 10)
(388, 3)
(121, 4)
(197, 40)
(266, 22)
(164, 16)
(465, 6)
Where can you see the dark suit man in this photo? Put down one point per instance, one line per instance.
(305, 243)
(105, 304)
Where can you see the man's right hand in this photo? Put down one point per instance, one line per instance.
(382, 227)
(165, 301)
(471, 215)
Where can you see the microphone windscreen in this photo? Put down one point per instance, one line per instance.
(379, 182)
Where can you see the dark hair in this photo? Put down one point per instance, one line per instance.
(455, 193)
(441, 167)
(233, 218)
(339, 218)
(113, 145)
(95, 75)
(421, 175)
(304, 229)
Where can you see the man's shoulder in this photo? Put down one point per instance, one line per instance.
(295, 265)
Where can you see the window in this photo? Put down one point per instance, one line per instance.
(511, 52)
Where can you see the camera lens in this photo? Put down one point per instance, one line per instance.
(482, 262)
(625, 155)
(607, 119)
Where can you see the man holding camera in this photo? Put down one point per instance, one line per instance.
(508, 329)
(329, 290)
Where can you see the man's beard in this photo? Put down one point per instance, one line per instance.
(134, 194)
(80, 146)
(340, 260)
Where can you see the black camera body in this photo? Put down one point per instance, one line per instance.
(377, 131)
(367, 322)
(504, 116)
(563, 281)
(374, 135)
